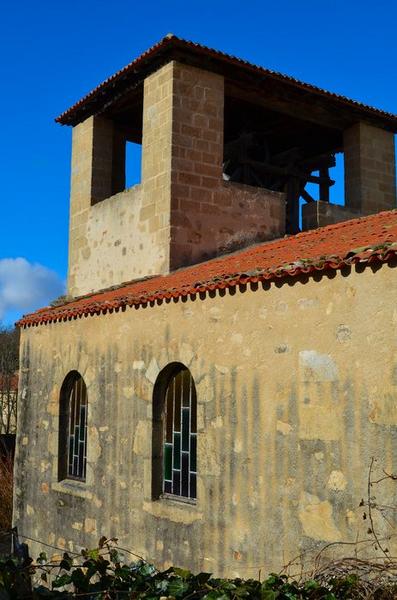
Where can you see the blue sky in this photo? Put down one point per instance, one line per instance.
(52, 53)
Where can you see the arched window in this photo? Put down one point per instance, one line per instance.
(175, 433)
(72, 454)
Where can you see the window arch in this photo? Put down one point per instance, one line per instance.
(72, 451)
(175, 433)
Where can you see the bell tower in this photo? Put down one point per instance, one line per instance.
(230, 153)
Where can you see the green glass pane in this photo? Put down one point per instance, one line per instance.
(169, 414)
(168, 461)
(177, 409)
(185, 429)
(193, 416)
(177, 450)
(193, 453)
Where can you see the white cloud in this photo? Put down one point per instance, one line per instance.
(25, 286)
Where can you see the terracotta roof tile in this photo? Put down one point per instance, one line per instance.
(364, 240)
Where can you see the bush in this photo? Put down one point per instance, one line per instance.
(103, 573)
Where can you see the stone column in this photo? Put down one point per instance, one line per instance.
(196, 162)
(182, 154)
(156, 163)
(98, 171)
(370, 170)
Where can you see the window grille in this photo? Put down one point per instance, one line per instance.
(180, 436)
(73, 429)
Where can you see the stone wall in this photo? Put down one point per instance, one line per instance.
(296, 392)
(116, 242)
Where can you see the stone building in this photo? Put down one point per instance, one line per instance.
(215, 385)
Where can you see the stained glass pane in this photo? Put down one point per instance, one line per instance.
(185, 428)
(185, 474)
(193, 452)
(70, 459)
(168, 462)
(176, 483)
(72, 408)
(76, 440)
(81, 457)
(177, 405)
(193, 412)
(170, 412)
(82, 424)
(177, 450)
(186, 379)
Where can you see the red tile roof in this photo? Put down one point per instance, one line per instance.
(172, 46)
(365, 240)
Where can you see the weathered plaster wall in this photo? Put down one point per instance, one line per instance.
(296, 389)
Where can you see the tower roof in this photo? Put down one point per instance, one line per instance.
(281, 90)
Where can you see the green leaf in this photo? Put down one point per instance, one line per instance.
(62, 580)
(94, 554)
(311, 585)
(42, 558)
(147, 569)
(177, 588)
(114, 556)
(269, 594)
(242, 591)
(161, 586)
(182, 573)
(216, 595)
(224, 584)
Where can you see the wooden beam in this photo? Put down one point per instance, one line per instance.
(292, 206)
(306, 196)
(324, 185)
(263, 167)
(278, 99)
(319, 179)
